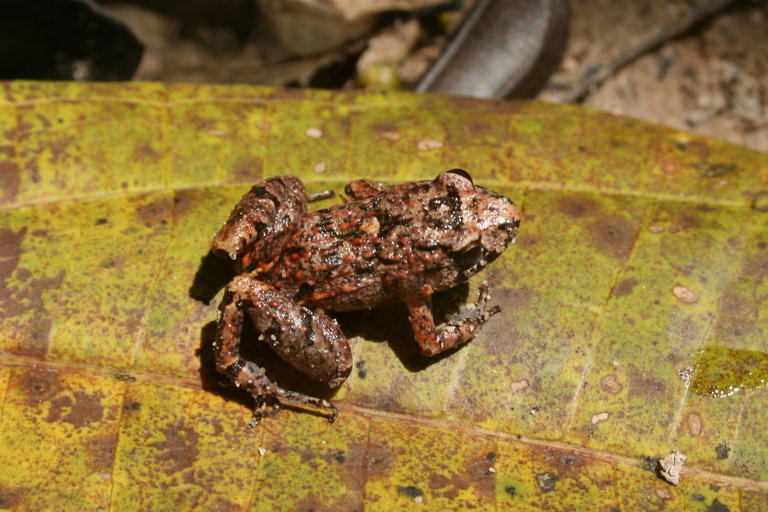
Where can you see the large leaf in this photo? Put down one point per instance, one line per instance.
(643, 256)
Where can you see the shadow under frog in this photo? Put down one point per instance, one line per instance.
(376, 261)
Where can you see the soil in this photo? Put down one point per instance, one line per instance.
(711, 81)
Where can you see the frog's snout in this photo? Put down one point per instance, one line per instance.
(511, 215)
(504, 221)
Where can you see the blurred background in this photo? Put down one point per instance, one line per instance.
(694, 65)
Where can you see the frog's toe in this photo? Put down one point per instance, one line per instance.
(300, 399)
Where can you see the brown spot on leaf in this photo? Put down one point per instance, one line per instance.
(625, 287)
(7, 267)
(18, 300)
(515, 297)
(144, 152)
(503, 332)
(101, 452)
(60, 150)
(527, 240)
(736, 315)
(39, 386)
(79, 410)
(384, 127)
(154, 213)
(565, 462)
(15, 301)
(577, 206)
(10, 499)
(642, 386)
(22, 274)
(610, 384)
(378, 460)
(756, 265)
(10, 176)
(476, 475)
(440, 483)
(179, 449)
(10, 243)
(687, 221)
(249, 172)
(685, 269)
(613, 235)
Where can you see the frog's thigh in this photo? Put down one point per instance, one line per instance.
(281, 197)
(308, 340)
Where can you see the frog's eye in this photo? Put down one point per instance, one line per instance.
(462, 173)
(457, 179)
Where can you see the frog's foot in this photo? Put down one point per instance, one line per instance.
(266, 407)
(294, 398)
(319, 196)
(479, 310)
(456, 331)
(270, 404)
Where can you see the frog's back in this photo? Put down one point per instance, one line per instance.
(350, 256)
(407, 240)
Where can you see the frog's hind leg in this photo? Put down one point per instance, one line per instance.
(309, 341)
(243, 374)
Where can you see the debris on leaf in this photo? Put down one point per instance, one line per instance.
(671, 465)
(518, 385)
(428, 145)
(684, 294)
(694, 424)
(314, 133)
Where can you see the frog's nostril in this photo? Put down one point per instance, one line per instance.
(510, 225)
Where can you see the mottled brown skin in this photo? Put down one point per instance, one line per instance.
(401, 243)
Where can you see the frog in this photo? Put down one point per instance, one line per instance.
(383, 244)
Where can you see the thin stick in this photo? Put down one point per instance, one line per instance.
(676, 29)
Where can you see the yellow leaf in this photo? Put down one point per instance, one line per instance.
(642, 257)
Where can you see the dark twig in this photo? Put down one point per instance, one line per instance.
(668, 33)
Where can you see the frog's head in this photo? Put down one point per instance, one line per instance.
(473, 225)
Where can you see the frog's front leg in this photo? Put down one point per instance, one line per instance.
(310, 341)
(456, 331)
